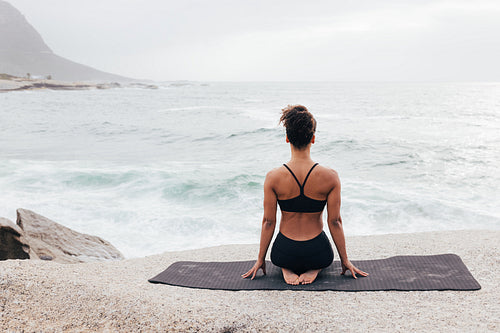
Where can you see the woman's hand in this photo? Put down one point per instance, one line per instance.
(253, 271)
(348, 266)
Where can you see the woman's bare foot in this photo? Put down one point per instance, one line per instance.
(290, 277)
(309, 276)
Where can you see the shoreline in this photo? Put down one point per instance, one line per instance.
(21, 84)
(10, 83)
(115, 295)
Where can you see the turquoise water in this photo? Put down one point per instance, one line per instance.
(182, 167)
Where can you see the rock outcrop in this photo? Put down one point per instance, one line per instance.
(12, 244)
(22, 51)
(49, 240)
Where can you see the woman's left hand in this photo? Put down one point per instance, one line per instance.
(253, 271)
(353, 269)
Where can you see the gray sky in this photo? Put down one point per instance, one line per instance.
(231, 40)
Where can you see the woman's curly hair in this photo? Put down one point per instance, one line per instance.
(300, 125)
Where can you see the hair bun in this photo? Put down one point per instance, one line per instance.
(299, 123)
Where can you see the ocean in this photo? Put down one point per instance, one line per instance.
(182, 166)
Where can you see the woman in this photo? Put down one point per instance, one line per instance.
(301, 188)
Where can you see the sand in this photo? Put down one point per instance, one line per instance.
(115, 296)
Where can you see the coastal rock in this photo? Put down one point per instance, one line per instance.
(48, 239)
(12, 243)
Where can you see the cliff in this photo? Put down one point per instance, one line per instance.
(22, 51)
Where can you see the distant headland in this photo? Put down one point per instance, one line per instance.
(23, 53)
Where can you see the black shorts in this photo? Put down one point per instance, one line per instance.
(301, 256)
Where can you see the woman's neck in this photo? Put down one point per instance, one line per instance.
(300, 154)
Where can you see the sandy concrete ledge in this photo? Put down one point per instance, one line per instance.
(115, 296)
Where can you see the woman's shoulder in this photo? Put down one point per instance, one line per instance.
(328, 174)
(274, 177)
(276, 172)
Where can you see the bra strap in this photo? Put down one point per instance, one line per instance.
(308, 176)
(301, 186)
(286, 166)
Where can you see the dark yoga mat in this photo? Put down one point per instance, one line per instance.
(436, 272)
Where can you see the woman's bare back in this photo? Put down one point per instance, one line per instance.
(319, 184)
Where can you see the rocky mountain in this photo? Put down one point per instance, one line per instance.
(22, 51)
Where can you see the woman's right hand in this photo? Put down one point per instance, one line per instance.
(347, 265)
(253, 271)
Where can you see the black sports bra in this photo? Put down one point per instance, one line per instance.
(301, 203)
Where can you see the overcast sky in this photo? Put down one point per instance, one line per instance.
(293, 40)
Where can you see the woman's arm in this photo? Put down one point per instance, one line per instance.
(336, 229)
(268, 226)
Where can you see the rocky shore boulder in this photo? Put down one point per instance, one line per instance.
(12, 244)
(49, 240)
